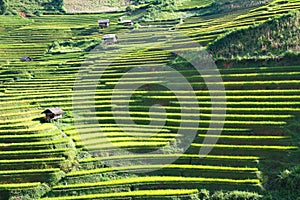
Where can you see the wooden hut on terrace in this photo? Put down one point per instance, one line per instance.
(128, 23)
(53, 114)
(110, 39)
(26, 59)
(104, 23)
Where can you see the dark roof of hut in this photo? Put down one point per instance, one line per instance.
(56, 111)
(109, 36)
(102, 21)
(26, 58)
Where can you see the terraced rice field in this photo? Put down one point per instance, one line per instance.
(260, 103)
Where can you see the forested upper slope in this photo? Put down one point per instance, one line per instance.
(273, 38)
(25, 7)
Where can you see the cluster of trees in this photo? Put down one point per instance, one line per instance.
(57, 4)
(228, 195)
(225, 5)
(285, 186)
(272, 39)
(3, 6)
(73, 46)
(29, 7)
(156, 7)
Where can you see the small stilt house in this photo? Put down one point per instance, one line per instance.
(110, 39)
(53, 114)
(128, 23)
(26, 59)
(104, 23)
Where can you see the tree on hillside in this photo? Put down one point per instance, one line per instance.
(3, 6)
(274, 38)
(158, 6)
(166, 4)
(55, 5)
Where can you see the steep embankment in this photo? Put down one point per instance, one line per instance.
(272, 39)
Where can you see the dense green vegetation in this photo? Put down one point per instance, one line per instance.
(274, 38)
(175, 9)
(74, 46)
(257, 154)
(221, 6)
(29, 7)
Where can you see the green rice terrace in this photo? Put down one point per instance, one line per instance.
(126, 126)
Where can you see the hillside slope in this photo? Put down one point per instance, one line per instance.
(70, 159)
(25, 7)
(221, 6)
(271, 39)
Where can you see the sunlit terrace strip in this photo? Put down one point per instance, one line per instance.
(34, 144)
(154, 179)
(29, 171)
(142, 193)
(228, 109)
(164, 94)
(162, 156)
(245, 137)
(33, 152)
(228, 116)
(19, 185)
(179, 120)
(171, 166)
(246, 146)
(36, 160)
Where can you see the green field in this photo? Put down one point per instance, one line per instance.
(88, 155)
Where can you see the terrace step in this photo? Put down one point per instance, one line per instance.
(9, 190)
(31, 175)
(144, 194)
(34, 145)
(31, 154)
(37, 163)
